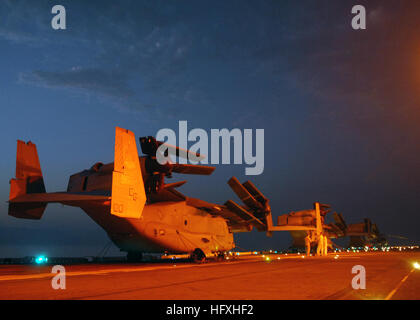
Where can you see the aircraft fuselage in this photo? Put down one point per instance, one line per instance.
(171, 227)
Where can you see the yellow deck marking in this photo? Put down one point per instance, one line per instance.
(391, 294)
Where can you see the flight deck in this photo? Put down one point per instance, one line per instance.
(389, 276)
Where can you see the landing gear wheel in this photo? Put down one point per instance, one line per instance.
(133, 256)
(198, 256)
(220, 257)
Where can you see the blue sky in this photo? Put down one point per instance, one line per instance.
(339, 107)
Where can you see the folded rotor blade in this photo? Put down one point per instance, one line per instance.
(174, 184)
(339, 220)
(192, 169)
(243, 213)
(180, 152)
(149, 146)
(255, 192)
(244, 194)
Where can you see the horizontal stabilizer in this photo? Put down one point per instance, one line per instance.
(57, 197)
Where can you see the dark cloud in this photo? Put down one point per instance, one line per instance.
(112, 83)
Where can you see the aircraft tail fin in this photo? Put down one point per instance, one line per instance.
(28, 180)
(128, 193)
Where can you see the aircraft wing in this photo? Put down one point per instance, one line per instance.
(58, 197)
(237, 219)
(255, 212)
(32, 205)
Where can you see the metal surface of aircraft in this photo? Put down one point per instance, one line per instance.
(140, 213)
(313, 222)
(365, 233)
(131, 202)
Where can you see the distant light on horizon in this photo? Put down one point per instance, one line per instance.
(41, 259)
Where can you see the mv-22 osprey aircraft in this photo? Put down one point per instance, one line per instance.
(313, 223)
(131, 202)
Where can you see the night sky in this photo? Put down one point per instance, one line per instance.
(340, 108)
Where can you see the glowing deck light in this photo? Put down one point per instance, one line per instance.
(41, 259)
(416, 265)
(267, 259)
